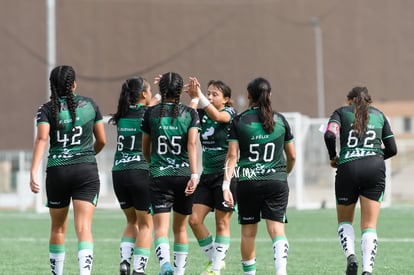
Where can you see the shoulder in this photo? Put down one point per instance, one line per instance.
(277, 115)
(229, 110)
(83, 100)
(45, 106)
(149, 109)
(241, 116)
(186, 109)
(376, 111)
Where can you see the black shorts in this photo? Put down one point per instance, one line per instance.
(267, 199)
(132, 188)
(77, 181)
(209, 192)
(364, 177)
(168, 192)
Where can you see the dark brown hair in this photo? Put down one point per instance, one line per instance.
(130, 94)
(361, 99)
(171, 86)
(259, 91)
(61, 85)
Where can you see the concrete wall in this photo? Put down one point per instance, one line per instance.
(366, 43)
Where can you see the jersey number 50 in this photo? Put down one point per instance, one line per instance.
(268, 152)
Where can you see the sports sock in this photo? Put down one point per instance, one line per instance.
(162, 250)
(207, 246)
(221, 246)
(249, 267)
(141, 256)
(369, 242)
(280, 253)
(180, 258)
(57, 258)
(85, 257)
(346, 236)
(127, 248)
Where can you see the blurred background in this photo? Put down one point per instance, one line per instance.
(312, 52)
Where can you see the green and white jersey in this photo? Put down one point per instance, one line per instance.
(261, 154)
(352, 147)
(128, 154)
(169, 138)
(213, 138)
(71, 146)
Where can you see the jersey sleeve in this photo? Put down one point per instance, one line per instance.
(233, 135)
(334, 123)
(386, 130)
(390, 146)
(200, 112)
(145, 127)
(288, 132)
(332, 131)
(98, 114)
(195, 119)
(43, 115)
(231, 111)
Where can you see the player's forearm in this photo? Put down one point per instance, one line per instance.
(38, 152)
(192, 157)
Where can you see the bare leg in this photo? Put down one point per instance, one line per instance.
(59, 224)
(143, 240)
(370, 210)
(180, 242)
(280, 245)
(346, 234)
(128, 240)
(83, 212)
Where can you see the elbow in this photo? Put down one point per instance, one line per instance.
(147, 154)
(389, 153)
(329, 137)
(102, 143)
(231, 156)
(292, 158)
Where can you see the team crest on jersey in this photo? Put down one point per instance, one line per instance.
(208, 133)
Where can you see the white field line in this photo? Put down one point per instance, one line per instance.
(234, 240)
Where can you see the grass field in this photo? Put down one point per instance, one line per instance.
(314, 248)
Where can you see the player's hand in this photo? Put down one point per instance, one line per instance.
(34, 186)
(191, 186)
(194, 89)
(334, 162)
(228, 198)
(157, 79)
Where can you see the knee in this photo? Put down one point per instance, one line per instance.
(194, 221)
(222, 225)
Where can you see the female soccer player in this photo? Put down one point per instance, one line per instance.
(216, 113)
(70, 122)
(260, 137)
(366, 140)
(130, 175)
(169, 144)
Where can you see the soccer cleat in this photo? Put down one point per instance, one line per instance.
(138, 273)
(352, 265)
(366, 273)
(124, 268)
(207, 269)
(166, 269)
